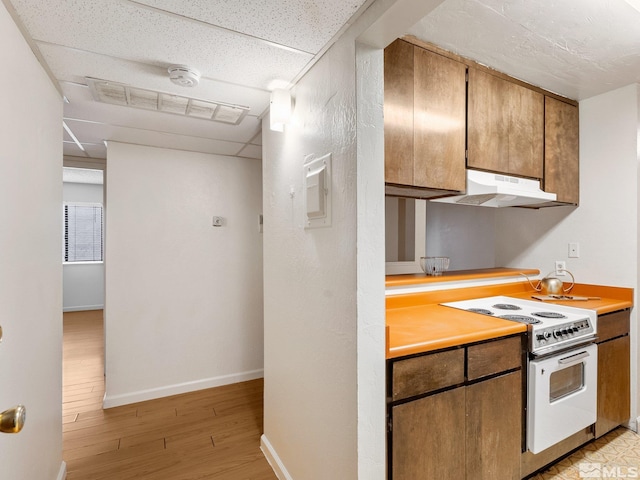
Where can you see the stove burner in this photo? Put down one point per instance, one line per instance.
(522, 319)
(506, 306)
(549, 315)
(483, 311)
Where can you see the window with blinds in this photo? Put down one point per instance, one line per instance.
(83, 233)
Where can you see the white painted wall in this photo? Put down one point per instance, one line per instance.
(606, 222)
(82, 283)
(82, 192)
(310, 401)
(183, 298)
(30, 266)
(463, 233)
(324, 289)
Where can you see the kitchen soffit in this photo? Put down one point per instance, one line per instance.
(244, 49)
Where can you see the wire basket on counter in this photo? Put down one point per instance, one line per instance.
(434, 265)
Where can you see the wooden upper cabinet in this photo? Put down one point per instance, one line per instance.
(488, 122)
(506, 126)
(398, 113)
(526, 132)
(424, 118)
(439, 120)
(562, 151)
(434, 117)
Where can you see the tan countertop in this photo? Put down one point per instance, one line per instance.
(416, 323)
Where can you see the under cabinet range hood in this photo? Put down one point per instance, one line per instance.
(486, 189)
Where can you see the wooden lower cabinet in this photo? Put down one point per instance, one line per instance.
(471, 432)
(457, 413)
(494, 428)
(613, 384)
(428, 437)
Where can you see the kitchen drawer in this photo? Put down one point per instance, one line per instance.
(494, 357)
(423, 374)
(613, 325)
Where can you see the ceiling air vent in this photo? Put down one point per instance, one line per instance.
(126, 95)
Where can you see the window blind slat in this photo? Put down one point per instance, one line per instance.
(83, 233)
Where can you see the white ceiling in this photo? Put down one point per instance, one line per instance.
(246, 48)
(243, 49)
(576, 48)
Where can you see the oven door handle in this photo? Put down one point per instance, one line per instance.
(573, 358)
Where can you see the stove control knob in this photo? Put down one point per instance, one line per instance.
(557, 333)
(547, 335)
(540, 337)
(564, 331)
(575, 329)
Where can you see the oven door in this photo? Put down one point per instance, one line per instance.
(562, 395)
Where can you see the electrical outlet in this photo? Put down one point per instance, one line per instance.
(561, 266)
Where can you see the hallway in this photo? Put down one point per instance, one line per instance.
(210, 434)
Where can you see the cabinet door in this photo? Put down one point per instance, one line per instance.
(488, 126)
(526, 131)
(613, 384)
(439, 120)
(561, 151)
(428, 438)
(506, 126)
(494, 428)
(398, 113)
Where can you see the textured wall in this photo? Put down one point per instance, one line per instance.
(310, 280)
(324, 288)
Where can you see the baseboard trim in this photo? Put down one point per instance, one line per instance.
(82, 308)
(111, 401)
(62, 473)
(274, 460)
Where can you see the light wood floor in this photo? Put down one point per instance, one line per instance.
(211, 434)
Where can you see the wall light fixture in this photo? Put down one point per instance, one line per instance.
(281, 107)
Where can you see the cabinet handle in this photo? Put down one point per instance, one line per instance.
(12, 420)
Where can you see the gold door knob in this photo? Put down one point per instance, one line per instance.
(12, 420)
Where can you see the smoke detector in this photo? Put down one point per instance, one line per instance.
(184, 76)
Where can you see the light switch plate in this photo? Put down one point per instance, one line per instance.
(317, 191)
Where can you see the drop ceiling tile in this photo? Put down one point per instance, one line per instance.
(251, 151)
(95, 133)
(257, 139)
(69, 148)
(123, 30)
(90, 111)
(73, 66)
(96, 150)
(304, 25)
